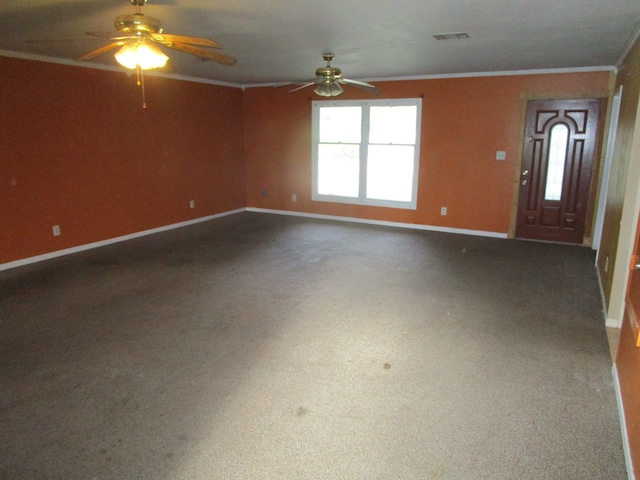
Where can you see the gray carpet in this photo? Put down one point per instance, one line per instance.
(258, 346)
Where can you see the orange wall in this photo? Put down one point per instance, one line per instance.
(464, 122)
(77, 150)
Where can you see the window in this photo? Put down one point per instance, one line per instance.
(366, 152)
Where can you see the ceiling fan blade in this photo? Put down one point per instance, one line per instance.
(111, 35)
(203, 53)
(167, 39)
(359, 84)
(99, 51)
(304, 85)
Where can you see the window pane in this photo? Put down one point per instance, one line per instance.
(393, 125)
(338, 170)
(340, 124)
(390, 172)
(557, 157)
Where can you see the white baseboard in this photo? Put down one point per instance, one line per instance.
(603, 298)
(414, 226)
(613, 323)
(102, 243)
(623, 425)
(608, 322)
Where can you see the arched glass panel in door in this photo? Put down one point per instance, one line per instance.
(555, 163)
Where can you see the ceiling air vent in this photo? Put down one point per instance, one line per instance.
(451, 36)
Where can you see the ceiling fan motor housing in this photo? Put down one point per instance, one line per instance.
(138, 23)
(328, 73)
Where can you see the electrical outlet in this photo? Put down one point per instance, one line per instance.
(294, 197)
(192, 204)
(56, 230)
(501, 155)
(443, 210)
(264, 193)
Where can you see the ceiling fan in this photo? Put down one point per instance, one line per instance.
(138, 37)
(329, 81)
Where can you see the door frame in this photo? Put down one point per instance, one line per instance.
(612, 130)
(598, 161)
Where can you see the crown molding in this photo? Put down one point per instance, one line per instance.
(506, 73)
(634, 38)
(109, 68)
(547, 71)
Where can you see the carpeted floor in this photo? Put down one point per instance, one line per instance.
(258, 346)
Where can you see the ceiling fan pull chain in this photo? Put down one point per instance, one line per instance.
(140, 81)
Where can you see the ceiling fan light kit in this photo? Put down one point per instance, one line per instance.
(137, 52)
(328, 89)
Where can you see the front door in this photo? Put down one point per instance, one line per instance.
(557, 163)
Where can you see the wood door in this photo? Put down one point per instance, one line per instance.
(557, 164)
(632, 299)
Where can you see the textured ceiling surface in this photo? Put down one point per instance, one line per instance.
(283, 40)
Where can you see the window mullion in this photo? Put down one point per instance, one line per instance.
(364, 150)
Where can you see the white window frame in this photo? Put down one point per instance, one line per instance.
(364, 143)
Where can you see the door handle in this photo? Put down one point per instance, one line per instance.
(525, 173)
(524, 182)
(529, 138)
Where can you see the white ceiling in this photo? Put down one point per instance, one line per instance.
(283, 40)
